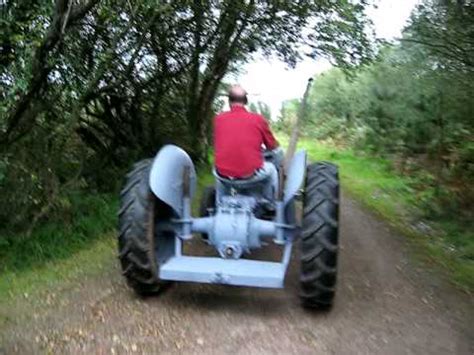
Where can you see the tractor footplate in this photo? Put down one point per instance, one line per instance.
(241, 272)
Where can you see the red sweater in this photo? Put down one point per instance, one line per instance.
(238, 139)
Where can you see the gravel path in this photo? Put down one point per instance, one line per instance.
(386, 304)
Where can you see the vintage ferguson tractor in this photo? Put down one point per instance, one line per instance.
(237, 217)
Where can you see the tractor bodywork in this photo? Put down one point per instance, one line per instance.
(233, 226)
(236, 216)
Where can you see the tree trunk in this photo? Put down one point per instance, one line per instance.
(22, 117)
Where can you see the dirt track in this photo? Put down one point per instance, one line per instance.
(385, 304)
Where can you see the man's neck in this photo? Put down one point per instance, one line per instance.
(237, 106)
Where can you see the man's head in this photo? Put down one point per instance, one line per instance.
(237, 95)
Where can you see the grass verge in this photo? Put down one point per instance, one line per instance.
(84, 242)
(58, 249)
(80, 244)
(446, 241)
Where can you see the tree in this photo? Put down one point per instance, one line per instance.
(98, 84)
(22, 113)
(261, 108)
(413, 104)
(445, 29)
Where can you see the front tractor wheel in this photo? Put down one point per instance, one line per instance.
(319, 242)
(136, 241)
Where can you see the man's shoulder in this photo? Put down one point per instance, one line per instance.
(258, 117)
(247, 114)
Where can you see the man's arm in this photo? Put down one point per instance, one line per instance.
(268, 138)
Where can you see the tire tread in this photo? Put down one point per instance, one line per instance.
(136, 234)
(319, 242)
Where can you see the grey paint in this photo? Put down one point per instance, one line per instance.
(233, 229)
(166, 176)
(295, 177)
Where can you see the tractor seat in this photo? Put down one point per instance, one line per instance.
(242, 183)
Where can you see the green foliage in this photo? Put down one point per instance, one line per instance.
(287, 116)
(445, 29)
(63, 249)
(88, 87)
(413, 105)
(3, 170)
(402, 200)
(66, 246)
(261, 108)
(89, 218)
(413, 108)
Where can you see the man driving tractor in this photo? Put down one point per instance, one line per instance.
(239, 213)
(239, 136)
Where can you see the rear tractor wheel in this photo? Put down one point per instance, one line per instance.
(140, 245)
(319, 242)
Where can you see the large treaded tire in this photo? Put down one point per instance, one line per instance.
(319, 242)
(136, 241)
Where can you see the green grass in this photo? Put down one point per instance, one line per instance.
(448, 241)
(58, 248)
(93, 258)
(90, 217)
(81, 244)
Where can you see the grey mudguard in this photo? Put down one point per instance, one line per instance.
(295, 177)
(166, 176)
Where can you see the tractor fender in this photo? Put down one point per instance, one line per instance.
(167, 177)
(295, 176)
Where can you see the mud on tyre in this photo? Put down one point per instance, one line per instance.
(319, 241)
